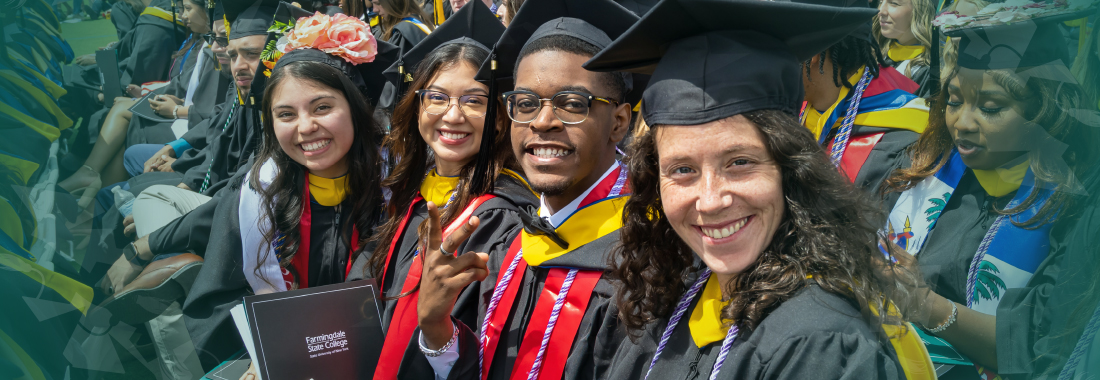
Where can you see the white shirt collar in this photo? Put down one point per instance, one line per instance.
(557, 218)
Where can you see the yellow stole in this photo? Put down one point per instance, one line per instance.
(1001, 181)
(162, 14)
(899, 52)
(328, 192)
(438, 189)
(706, 319)
(586, 225)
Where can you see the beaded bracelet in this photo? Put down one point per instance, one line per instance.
(950, 320)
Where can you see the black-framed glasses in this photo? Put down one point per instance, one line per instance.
(212, 38)
(437, 103)
(571, 107)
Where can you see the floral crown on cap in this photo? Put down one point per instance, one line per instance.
(1013, 11)
(340, 36)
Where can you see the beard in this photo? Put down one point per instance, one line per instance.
(551, 188)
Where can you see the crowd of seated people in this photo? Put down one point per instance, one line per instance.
(873, 191)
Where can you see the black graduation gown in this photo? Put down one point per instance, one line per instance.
(598, 334)
(813, 335)
(191, 232)
(1039, 325)
(499, 224)
(123, 17)
(221, 283)
(209, 90)
(945, 258)
(406, 35)
(149, 55)
(226, 151)
(887, 155)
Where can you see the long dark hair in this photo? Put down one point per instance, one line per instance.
(414, 157)
(282, 199)
(397, 10)
(847, 56)
(829, 231)
(193, 39)
(1048, 103)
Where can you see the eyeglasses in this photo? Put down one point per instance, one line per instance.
(212, 38)
(571, 107)
(437, 103)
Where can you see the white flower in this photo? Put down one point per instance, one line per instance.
(280, 45)
(950, 20)
(1004, 16)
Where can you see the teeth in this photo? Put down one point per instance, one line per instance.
(453, 136)
(549, 152)
(719, 233)
(309, 147)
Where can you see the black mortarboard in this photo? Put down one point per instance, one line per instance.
(597, 22)
(474, 24)
(367, 76)
(249, 18)
(712, 59)
(217, 11)
(1030, 42)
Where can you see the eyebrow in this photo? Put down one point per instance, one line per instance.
(310, 102)
(251, 50)
(471, 90)
(577, 88)
(734, 149)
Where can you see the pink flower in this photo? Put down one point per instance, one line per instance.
(308, 32)
(349, 38)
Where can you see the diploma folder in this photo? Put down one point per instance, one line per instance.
(326, 332)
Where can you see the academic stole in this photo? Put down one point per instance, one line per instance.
(1006, 258)
(404, 320)
(555, 320)
(300, 261)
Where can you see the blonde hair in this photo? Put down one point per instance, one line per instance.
(921, 27)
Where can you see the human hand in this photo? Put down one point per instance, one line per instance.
(128, 227)
(911, 293)
(85, 60)
(184, 186)
(444, 276)
(133, 90)
(120, 274)
(158, 158)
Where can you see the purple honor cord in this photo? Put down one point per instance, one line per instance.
(506, 279)
(840, 142)
(682, 307)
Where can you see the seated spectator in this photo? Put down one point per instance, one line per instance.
(402, 22)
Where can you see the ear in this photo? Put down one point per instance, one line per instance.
(621, 124)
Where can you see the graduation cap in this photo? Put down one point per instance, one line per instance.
(367, 76)
(474, 24)
(249, 18)
(988, 44)
(596, 22)
(712, 59)
(215, 11)
(639, 7)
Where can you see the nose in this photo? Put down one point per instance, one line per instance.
(453, 115)
(546, 120)
(306, 125)
(966, 121)
(714, 195)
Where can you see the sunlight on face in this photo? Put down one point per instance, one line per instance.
(313, 125)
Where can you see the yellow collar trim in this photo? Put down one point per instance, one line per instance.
(814, 120)
(438, 189)
(899, 53)
(328, 191)
(584, 226)
(706, 319)
(1001, 181)
(161, 14)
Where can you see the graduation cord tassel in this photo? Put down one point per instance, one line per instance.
(502, 286)
(498, 292)
(533, 374)
(682, 307)
(840, 142)
(972, 274)
(206, 179)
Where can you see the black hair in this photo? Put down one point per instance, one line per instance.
(614, 81)
(282, 200)
(849, 55)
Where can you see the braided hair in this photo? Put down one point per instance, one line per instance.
(847, 56)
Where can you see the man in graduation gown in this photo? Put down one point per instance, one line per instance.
(149, 55)
(570, 160)
(888, 119)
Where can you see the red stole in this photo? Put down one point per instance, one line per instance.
(300, 261)
(859, 148)
(404, 321)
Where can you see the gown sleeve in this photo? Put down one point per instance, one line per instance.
(824, 355)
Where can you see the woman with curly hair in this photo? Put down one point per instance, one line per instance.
(993, 183)
(744, 254)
